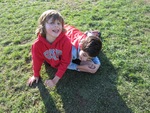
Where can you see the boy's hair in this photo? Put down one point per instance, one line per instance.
(55, 15)
(92, 45)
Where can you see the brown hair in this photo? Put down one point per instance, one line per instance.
(92, 45)
(55, 15)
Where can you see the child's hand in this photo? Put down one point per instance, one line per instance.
(32, 79)
(50, 83)
(91, 66)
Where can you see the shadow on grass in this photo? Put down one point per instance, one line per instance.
(90, 93)
(47, 99)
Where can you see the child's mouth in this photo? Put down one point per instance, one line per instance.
(56, 31)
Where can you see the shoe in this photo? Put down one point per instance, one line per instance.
(95, 33)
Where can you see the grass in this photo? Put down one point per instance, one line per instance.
(120, 86)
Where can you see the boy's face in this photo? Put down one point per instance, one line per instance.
(83, 56)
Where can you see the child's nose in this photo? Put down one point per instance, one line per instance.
(84, 59)
(56, 24)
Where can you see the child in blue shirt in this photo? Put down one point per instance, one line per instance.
(85, 49)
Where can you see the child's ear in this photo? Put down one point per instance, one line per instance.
(80, 43)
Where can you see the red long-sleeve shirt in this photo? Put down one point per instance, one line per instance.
(74, 34)
(57, 54)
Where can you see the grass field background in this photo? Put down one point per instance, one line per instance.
(121, 85)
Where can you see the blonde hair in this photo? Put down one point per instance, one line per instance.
(55, 15)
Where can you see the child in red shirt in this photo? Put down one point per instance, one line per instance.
(51, 46)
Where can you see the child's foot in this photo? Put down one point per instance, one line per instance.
(95, 33)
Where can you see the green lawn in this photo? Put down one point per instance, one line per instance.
(121, 85)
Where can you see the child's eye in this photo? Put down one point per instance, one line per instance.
(84, 55)
(58, 23)
(51, 23)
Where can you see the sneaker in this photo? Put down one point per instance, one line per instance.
(95, 33)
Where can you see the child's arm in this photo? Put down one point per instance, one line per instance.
(37, 61)
(72, 66)
(88, 66)
(65, 61)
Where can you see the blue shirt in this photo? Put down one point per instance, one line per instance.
(75, 55)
